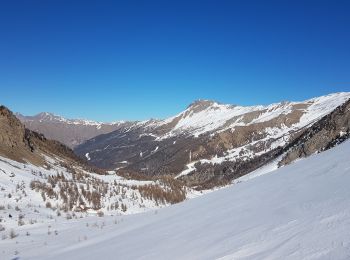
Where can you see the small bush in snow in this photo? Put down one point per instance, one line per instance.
(48, 204)
(124, 207)
(20, 222)
(12, 234)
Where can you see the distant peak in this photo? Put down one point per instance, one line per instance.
(202, 103)
(50, 117)
(44, 114)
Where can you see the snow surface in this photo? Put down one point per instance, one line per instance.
(87, 155)
(270, 167)
(301, 211)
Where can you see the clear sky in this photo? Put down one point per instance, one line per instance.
(111, 60)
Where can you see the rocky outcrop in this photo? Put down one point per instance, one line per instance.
(324, 134)
(14, 143)
(209, 175)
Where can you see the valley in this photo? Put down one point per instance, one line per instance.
(215, 162)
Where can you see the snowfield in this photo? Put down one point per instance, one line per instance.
(301, 211)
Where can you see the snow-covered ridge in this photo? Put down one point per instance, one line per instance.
(205, 116)
(50, 117)
(276, 136)
(217, 116)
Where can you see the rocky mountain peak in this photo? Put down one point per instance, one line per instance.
(202, 104)
(43, 115)
(46, 116)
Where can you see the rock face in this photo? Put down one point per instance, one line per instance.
(208, 140)
(70, 132)
(12, 135)
(332, 129)
(23, 145)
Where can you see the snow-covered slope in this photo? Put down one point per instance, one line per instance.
(300, 211)
(26, 186)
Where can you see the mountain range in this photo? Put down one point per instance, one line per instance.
(71, 132)
(57, 205)
(73, 200)
(206, 145)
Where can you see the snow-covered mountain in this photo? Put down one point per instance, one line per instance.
(207, 133)
(201, 117)
(204, 116)
(71, 132)
(198, 144)
(300, 211)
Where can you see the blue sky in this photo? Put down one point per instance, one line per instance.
(111, 60)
